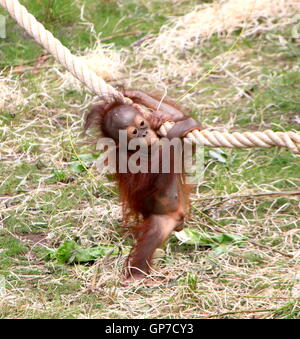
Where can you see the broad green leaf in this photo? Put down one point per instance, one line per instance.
(219, 243)
(77, 167)
(86, 157)
(70, 252)
(218, 155)
(82, 161)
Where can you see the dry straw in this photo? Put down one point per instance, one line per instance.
(95, 83)
(221, 17)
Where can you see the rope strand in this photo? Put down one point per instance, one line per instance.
(96, 84)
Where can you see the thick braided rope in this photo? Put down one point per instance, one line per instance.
(72, 63)
(267, 138)
(106, 92)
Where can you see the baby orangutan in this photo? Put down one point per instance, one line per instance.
(158, 201)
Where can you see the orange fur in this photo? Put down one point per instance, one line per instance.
(159, 199)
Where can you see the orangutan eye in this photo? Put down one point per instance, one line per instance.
(140, 122)
(132, 131)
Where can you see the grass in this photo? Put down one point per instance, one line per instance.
(46, 198)
(127, 21)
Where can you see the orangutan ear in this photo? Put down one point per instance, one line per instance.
(94, 117)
